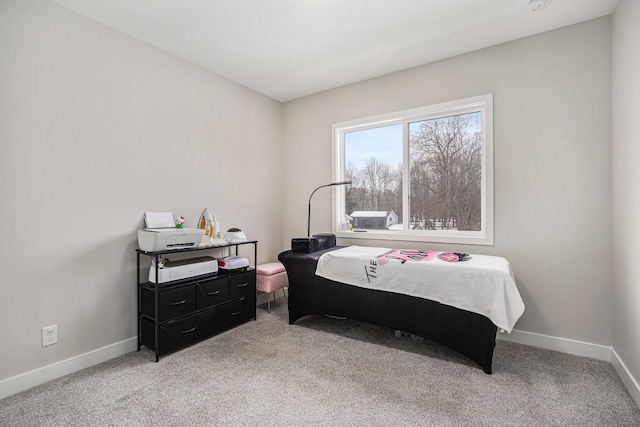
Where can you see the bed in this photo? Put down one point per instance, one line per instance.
(467, 332)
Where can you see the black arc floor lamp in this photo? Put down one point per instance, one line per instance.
(314, 191)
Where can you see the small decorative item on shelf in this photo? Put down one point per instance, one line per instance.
(180, 221)
(161, 262)
(216, 227)
(235, 235)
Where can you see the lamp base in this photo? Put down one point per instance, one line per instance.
(326, 240)
(305, 245)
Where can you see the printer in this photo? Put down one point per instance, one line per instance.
(161, 234)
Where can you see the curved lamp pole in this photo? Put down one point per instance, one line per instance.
(314, 191)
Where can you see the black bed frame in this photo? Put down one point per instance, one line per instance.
(470, 334)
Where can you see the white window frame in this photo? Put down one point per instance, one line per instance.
(482, 104)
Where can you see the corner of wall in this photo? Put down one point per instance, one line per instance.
(632, 385)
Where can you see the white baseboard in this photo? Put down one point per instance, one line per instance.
(578, 348)
(629, 381)
(563, 345)
(47, 373)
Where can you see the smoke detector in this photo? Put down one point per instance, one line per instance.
(536, 5)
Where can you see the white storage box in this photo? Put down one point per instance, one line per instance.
(183, 269)
(233, 262)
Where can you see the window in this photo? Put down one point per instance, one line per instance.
(424, 174)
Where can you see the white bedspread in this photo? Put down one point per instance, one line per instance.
(480, 284)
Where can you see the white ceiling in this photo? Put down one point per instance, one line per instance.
(286, 49)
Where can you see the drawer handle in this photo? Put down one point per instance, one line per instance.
(243, 285)
(213, 293)
(178, 302)
(189, 330)
(236, 313)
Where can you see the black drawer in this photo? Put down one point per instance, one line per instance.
(234, 313)
(178, 333)
(212, 292)
(242, 284)
(173, 303)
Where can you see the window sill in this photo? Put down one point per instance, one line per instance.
(471, 238)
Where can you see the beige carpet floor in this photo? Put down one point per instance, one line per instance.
(328, 372)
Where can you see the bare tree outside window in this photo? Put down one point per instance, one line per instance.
(446, 173)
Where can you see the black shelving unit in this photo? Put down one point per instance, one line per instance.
(173, 315)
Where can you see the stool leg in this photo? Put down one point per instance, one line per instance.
(285, 296)
(269, 302)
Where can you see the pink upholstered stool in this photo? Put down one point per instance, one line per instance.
(271, 277)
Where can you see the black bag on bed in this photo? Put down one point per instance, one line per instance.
(305, 245)
(326, 240)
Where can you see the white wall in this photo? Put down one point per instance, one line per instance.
(91, 120)
(626, 194)
(552, 127)
(95, 129)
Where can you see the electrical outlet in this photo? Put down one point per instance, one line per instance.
(49, 335)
